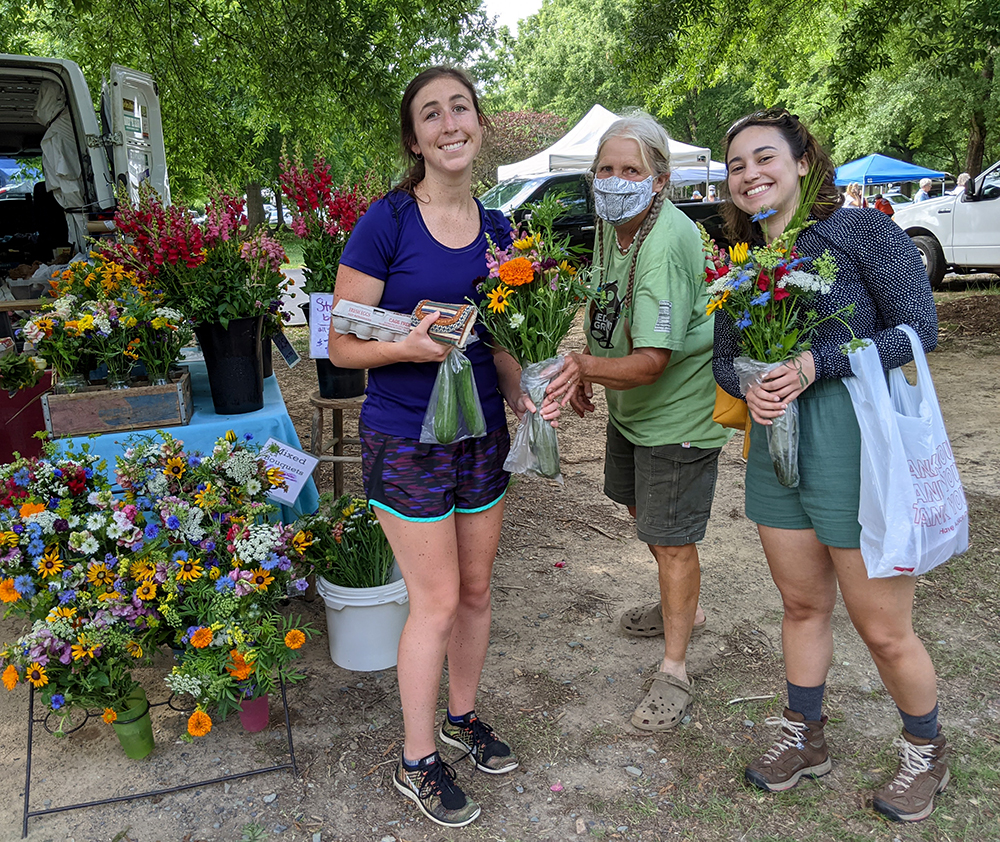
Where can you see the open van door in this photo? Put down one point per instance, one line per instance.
(130, 111)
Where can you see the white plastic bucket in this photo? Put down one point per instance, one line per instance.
(364, 624)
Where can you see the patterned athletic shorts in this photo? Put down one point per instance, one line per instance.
(427, 482)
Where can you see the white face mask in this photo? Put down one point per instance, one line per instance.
(617, 200)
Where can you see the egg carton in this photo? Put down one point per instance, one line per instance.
(369, 322)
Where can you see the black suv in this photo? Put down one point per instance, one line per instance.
(512, 195)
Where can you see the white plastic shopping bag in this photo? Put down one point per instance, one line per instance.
(913, 512)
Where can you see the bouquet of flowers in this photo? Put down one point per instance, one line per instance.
(533, 293)
(324, 216)
(213, 272)
(19, 371)
(344, 543)
(768, 291)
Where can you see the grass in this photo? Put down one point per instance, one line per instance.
(293, 248)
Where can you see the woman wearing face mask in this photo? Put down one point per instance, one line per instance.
(649, 343)
(810, 534)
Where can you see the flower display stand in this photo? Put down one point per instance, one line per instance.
(44, 722)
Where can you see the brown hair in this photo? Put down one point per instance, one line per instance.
(737, 225)
(407, 129)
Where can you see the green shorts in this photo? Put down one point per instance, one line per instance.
(829, 489)
(671, 487)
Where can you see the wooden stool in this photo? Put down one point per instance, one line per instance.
(318, 448)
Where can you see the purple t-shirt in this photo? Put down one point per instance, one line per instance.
(392, 243)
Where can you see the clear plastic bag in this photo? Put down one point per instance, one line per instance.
(454, 412)
(535, 448)
(783, 433)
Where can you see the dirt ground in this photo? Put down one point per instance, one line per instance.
(561, 681)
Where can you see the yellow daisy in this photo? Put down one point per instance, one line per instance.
(498, 299)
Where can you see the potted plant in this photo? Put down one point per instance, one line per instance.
(365, 596)
(324, 217)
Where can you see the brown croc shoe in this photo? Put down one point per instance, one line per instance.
(800, 750)
(923, 773)
(666, 704)
(647, 621)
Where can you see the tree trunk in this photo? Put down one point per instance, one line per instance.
(977, 128)
(280, 207)
(255, 206)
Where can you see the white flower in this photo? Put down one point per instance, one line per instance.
(516, 320)
(805, 281)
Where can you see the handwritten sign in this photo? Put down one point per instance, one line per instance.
(296, 465)
(320, 315)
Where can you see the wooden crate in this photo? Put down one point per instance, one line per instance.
(98, 409)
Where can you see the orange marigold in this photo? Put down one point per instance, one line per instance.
(109, 715)
(10, 677)
(517, 272)
(201, 638)
(294, 639)
(199, 724)
(29, 509)
(8, 593)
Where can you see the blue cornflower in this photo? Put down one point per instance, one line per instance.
(201, 486)
(248, 436)
(763, 214)
(25, 585)
(744, 321)
(34, 530)
(224, 584)
(22, 477)
(18, 528)
(67, 596)
(36, 547)
(151, 531)
(194, 461)
(57, 472)
(208, 546)
(53, 502)
(270, 562)
(795, 264)
(761, 299)
(144, 503)
(88, 472)
(181, 555)
(173, 522)
(58, 700)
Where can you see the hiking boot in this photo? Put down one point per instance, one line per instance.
(432, 787)
(800, 750)
(480, 742)
(923, 773)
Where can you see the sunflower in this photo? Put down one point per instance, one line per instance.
(199, 724)
(142, 570)
(99, 575)
(36, 675)
(175, 467)
(524, 243)
(517, 272)
(10, 677)
(498, 298)
(302, 540)
(294, 639)
(134, 649)
(83, 648)
(61, 612)
(260, 578)
(146, 591)
(201, 638)
(8, 593)
(190, 569)
(50, 564)
(109, 715)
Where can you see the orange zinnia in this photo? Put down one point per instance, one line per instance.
(29, 509)
(201, 638)
(294, 639)
(8, 593)
(516, 272)
(239, 669)
(10, 677)
(199, 724)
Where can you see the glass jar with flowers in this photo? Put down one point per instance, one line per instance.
(323, 217)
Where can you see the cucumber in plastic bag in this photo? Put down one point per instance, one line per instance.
(454, 412)
(535, 448)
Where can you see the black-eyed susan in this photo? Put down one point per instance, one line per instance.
(9, 539)
(98, 574)
(133, 648)
(294, 638)
(146, 591)
(142, 570)
(83, 648)
(199, 724)
(498, 298)
(214, 572)
(64, 612)
(302, 540)
(276, 477)
(36, 675)
(175, 467)
(50, 564)
(207, 497)
(10, 677)
(191, 569)
(260, 578)
(107, 596)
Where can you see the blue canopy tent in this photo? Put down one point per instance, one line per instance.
(881, 169)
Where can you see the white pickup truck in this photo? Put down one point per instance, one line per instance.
(962, 232)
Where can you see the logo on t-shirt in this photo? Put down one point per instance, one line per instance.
(663, 318)
(604, 315)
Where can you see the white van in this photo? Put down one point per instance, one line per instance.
(47, 112)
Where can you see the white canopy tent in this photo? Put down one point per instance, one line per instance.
(575, 150)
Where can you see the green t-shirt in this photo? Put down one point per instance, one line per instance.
(668, 311)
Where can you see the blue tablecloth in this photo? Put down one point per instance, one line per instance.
(206, 428)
